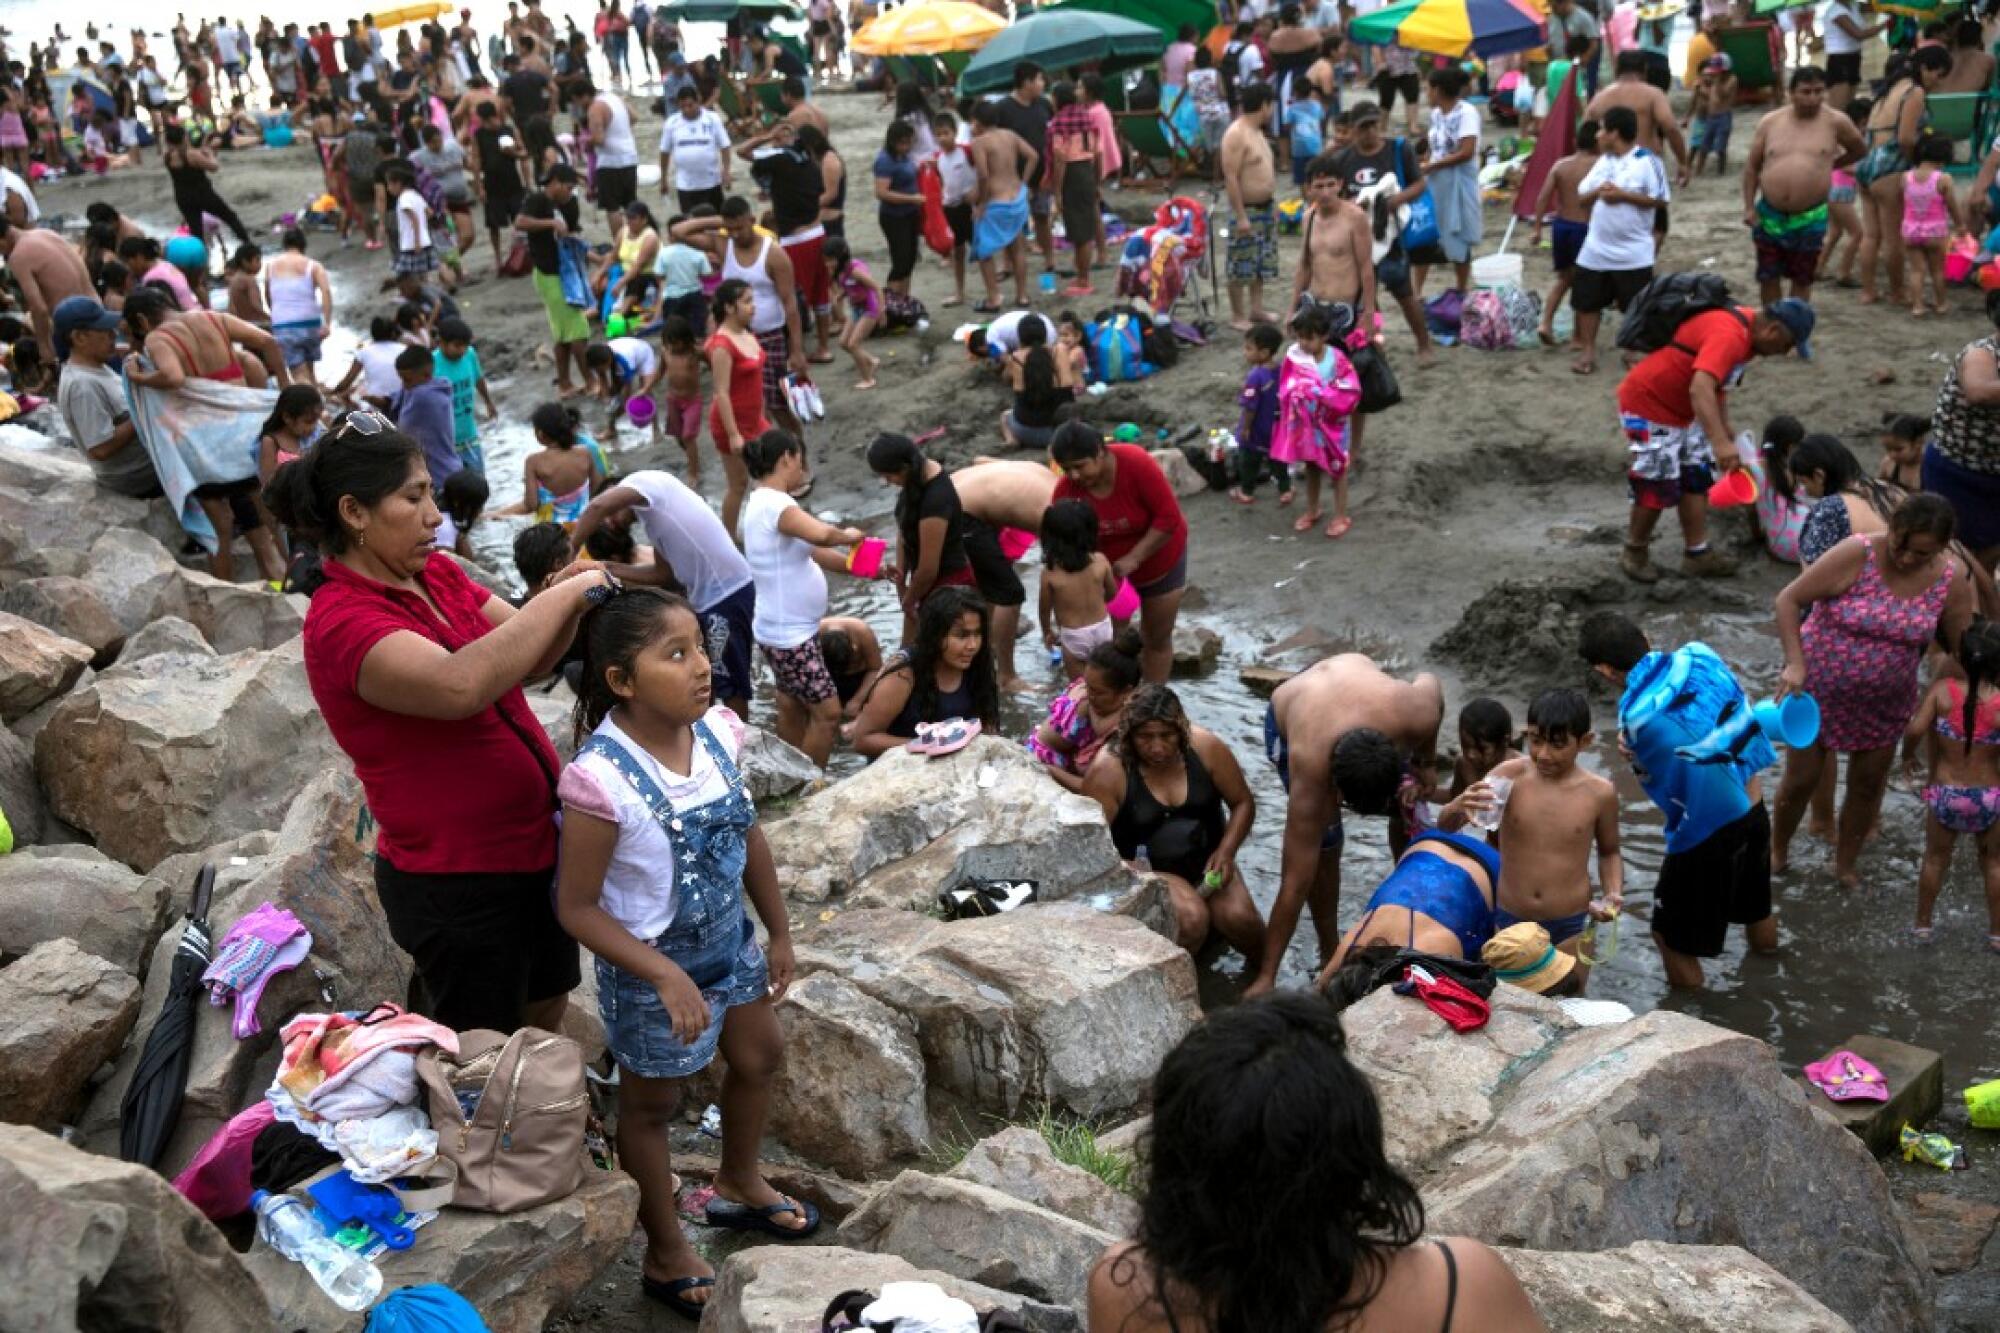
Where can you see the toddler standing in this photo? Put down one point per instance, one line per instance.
(1258, 420)
(681, 415)
(1317, 390)
(1930, 216)
(1077, 584)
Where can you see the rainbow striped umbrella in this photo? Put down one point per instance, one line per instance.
(1456, 28)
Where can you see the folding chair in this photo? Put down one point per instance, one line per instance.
(769, 102)
(1958, 116)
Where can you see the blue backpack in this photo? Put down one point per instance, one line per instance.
(1118, 350)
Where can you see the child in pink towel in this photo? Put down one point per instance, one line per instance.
(1317, 391)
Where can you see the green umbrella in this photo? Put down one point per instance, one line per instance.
(1059, 38)
(1166, 15)
(1773, 6)
(721, 11)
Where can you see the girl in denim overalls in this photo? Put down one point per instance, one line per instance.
(660, 846)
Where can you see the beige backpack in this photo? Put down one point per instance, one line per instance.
(509, 1113)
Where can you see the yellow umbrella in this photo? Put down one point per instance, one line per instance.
(930, 28)
(417, 13)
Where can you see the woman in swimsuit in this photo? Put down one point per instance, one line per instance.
(556, 480)
(948, 674)
(1438, 900)
(736, 414)
(1266, 1158)
(1175, 795)
(1894, 125)
(1959, 720)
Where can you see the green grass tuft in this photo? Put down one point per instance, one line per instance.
(1074, 1142)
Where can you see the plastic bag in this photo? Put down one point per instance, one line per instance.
(396, 1143)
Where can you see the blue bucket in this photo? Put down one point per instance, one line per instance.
(1792, 721)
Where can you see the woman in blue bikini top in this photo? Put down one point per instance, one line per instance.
(1438, 900)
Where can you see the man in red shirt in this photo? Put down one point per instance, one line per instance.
(1673, 408)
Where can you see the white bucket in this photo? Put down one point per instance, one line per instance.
(1496, 271)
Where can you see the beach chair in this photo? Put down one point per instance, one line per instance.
(767, 99)
(1753, 54)
(1150, 141)
(1958, 116)
(739, 113)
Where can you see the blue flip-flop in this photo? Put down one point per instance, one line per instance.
(742, 1217)
(673, 1294)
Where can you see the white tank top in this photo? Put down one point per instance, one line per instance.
(295, 298)
(620, 148)
(770, 311)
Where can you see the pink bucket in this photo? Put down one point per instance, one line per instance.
(865, 562)
(1014, 542)
(1126, 604)
(639, 410)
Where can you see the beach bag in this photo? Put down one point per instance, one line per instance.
(1445, 314)
(509, 1113)
(843, 1313)
(1666, 303)
(1483, 322)
(1379, 390)
(1524, 314)
(900, 310)
(517, 263)
(1420, 225)
(937, 230)
(1117, 350)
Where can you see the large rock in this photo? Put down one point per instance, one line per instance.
(168, 634)
(850, 1095)
(979, 1234)
(180, 753)
(35, 665)
(1648, 1287)
(231, 616)
(69, 515)
(70, 607)
(769, 1288)
(1052, 1004)
(129, 570)
(1667, 1128)
(37, 471)
(319, 866)
(1019, 1162)
(1197, 649)
(73, 892)
(514, 1269)
(771, 768)
(89, 1242)
(908, 825)
(63, 1013)
(20, 795)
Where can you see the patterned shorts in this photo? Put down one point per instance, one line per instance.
(1253, 254)
(421, 260)
(1665, 461)
(801, 672)
(1964, 809)
(777, 352)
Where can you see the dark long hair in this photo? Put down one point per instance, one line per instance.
(1265, 1156)
(1151, 703)
(940, 611)
(889, 453)
(305, 493)
(293, 400)
(1038, 363)
(1979, 654)
(1843, 472)
(613, 633)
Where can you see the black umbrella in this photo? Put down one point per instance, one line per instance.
(152, 1105)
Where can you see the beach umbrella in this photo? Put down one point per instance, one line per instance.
(1556, 141)
(418, 13)
(1773, 6)
(721, 11)
(930, 28)
(1456, 28)
(1166, 15)
(1058, 38)
(152, 1103)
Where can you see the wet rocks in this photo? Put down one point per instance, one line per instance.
(78, 893)
(1954, 1229)
(980, 1234)
(36, 665)
(69, 607)
(773, 769)
(908, 825)
(1196, 650)
(850, 1094)
(178, 752)
(1649, 1287)
(89, 1242)
(63, 1013)
(1050, 1004)
(771, 1287)
(1019, 1162)
(21, 800)
(514, 1268)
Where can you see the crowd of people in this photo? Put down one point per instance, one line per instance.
(703, 314)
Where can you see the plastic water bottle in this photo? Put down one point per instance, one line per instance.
(287, 1226)
(1142, 861)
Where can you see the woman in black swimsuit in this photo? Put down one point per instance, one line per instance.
(1266, 1158)
(1174, 791)
(948, 674)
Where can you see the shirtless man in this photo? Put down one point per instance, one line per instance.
(1000, 204)
(1659, 128)
(800, 111)
(1002, 494)
(49, 270)
(1560, 194)
(1549, 821)
(1250, 175)
(1787, 180)
(1342, 731)
(1337, 261)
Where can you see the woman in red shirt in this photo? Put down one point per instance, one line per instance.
(1139, 526)
(736, 359)
(418, 673)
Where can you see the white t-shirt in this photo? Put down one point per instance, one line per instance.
(637, 354)
(1249, 63)
(686, 534)
(1448, 127)
(413, 221)
(956, 174)
(378, 368)
(791, 587)
(1839, 43)
(1621, 235)
(1004, 333)
(226, 49)
(638, 890)
(696, 148)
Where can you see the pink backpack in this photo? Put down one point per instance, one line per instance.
(1484, 323)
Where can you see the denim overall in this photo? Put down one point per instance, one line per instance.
(711, 938)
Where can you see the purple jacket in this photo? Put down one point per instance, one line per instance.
(424, 414)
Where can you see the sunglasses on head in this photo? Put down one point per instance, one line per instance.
(361, 421)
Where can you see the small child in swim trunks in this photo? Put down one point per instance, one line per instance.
(1077, 583)
(1485, 741)
(1959, 721)
(1551, 819)
(680, 417)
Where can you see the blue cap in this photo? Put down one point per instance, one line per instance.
(74, 314)
(1798, 319)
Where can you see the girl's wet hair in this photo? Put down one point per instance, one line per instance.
(675, 331)
(1312, 322)
(613, 634)
(557, 423)
(1486, 721)
(1265, 1155)
(305, 494)
(898, 455)
(1979, 654)
(1118, 657)
(464, 496)
(1069, 535)
(942, 611)
(837, 253)
(294, 400)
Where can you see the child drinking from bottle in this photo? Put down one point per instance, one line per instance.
(1959, 721)
(660, 848)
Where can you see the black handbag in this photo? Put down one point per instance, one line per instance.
(1379, 390)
